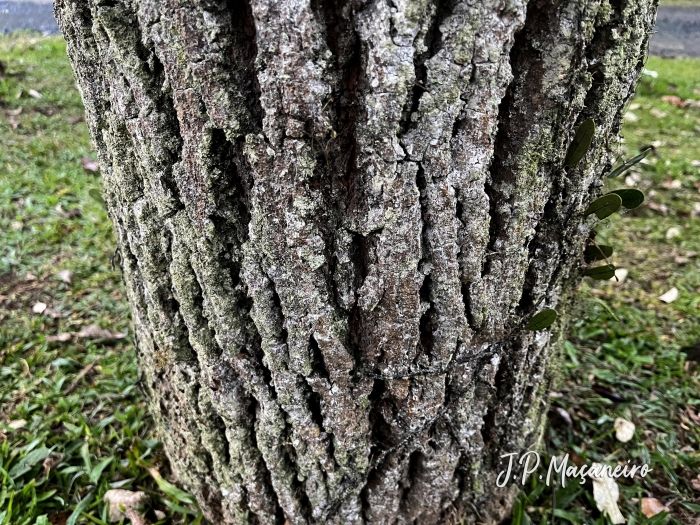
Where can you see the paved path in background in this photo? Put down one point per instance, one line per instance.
(23, 14)
(677, 32)
(677, 28)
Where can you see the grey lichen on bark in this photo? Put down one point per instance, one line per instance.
(335, 219)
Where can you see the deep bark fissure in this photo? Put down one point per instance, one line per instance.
(245, 52)
(425, 324)
(502, 144)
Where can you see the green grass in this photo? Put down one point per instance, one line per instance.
(91, 420)
(681, 3)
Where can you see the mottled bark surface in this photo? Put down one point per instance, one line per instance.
(335, 219)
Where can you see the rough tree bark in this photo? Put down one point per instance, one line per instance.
(334, 220)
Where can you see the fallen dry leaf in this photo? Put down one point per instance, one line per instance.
(624, 430)
(52, 460)
(13, 122)
(652, 507)
(67, 214)
(120, 501)
(630, 117)
(621, 274)
(661, 208)
(695, 418)
(39, 308)
(673, 99)
(695, 483)
(25, 368)
(59, 338)
(671, 184)
(669, 296)
(53, 314)
(17, 424)
(606, 493)
(90, 165)
(672, 232)
(46, 111)
(136, 518)
(65, 275)
(656, 113)
(34, 94)
(75, 120)
(14, 112)
(96, 333)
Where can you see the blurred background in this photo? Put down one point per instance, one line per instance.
(74, 427)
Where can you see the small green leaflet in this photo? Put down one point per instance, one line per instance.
(631, 198)
(627, 165)
(542, 320)
(95, 194)
(597, 253)
(604, 206)
(579, 146)
(601, 273)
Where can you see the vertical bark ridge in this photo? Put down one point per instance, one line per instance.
(295, 245)
(333, 218)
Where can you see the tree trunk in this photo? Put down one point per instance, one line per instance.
(334, 221)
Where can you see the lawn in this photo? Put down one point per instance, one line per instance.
(681, 3)
(72, 420)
